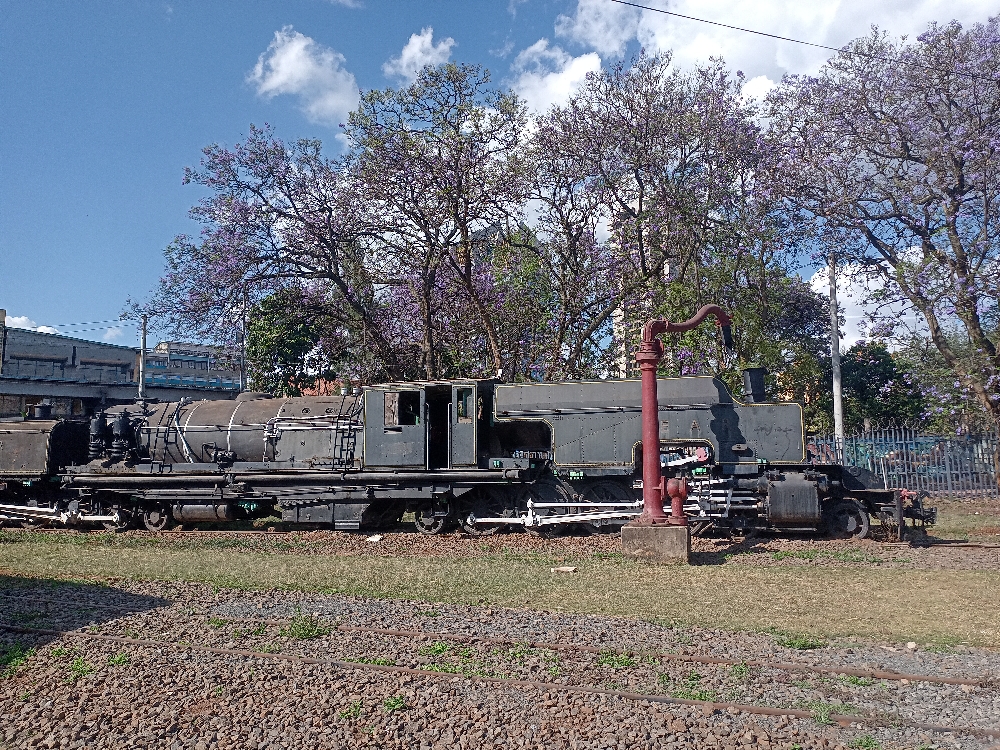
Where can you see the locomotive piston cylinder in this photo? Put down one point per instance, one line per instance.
(201, 512)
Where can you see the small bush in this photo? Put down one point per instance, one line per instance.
(435, 649)
(118, 660)
(866, 742)
(351, 712)
(821, 711)
(396, 703)
(800, 642)
(690, 689)
(850, 679)
(739, 672)
(303, 627)
(78, 668)
(617, 661)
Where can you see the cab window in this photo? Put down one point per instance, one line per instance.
(401, 408)
(465, 406)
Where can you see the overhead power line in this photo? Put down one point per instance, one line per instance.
(841, 50)
(88, 323)
(99, 328)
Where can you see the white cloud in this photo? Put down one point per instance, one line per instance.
(23, 321)
(601, 25)
(607, 27)
(545, 75)
(852, 293)
(347, 3)
(113, 334)
(758, 88)
(419, 51)
(296, 64)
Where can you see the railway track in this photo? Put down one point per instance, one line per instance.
(835, 670)
(397, 645)
(550, 687)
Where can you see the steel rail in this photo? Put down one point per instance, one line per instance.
(876, 674)
(842, 719)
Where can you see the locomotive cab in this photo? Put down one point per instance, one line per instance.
(427, 425)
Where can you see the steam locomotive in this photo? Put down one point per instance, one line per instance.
(482, 454)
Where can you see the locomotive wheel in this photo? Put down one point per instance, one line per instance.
(124, 521)
(547, 491)
(484, 503)
(846, 519)
(429, 519)
(603, 492)
(158, 519)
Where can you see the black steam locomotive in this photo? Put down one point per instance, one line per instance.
(484, 455)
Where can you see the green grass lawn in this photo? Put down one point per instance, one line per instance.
(857, 600)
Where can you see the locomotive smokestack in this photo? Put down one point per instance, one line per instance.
(753, 385)
(727, 337)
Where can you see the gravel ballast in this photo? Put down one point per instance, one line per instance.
(79, 692)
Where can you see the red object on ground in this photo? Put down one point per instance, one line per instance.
(649, 355)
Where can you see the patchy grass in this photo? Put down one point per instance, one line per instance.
(78, 668)
(303, 627)
(866, 742)
(969, 520)
(435, 649)
(816, 601)
(396, 703)
(844, 556)
(855, 681)
(351, 712)
(372, 660)
(12, 657)
(615, 660)
(821, 710)
(690, 689)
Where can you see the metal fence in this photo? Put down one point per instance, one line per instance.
(962, 466)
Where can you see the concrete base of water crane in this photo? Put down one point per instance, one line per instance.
(670, 545)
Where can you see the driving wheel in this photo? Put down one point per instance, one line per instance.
(158, 519)
(121, 523)
(846, 519)
(484, 503)
(432, 518)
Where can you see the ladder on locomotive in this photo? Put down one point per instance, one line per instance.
(346, 438)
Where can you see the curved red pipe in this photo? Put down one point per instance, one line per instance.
(649, 355)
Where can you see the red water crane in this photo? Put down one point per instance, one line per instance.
(649, 355)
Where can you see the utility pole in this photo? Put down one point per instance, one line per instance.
(838, 391)
(142, 361)
(243, 345)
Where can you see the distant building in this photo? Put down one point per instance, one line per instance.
(77, 377)
(190, 365)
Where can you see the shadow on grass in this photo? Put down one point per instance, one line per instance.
(720, 556)
(28, 604)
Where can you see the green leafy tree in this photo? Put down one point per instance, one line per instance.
(283, 346)
(878, 389)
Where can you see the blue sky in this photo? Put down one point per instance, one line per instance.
(102, 104)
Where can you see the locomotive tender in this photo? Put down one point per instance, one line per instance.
(480, 453)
